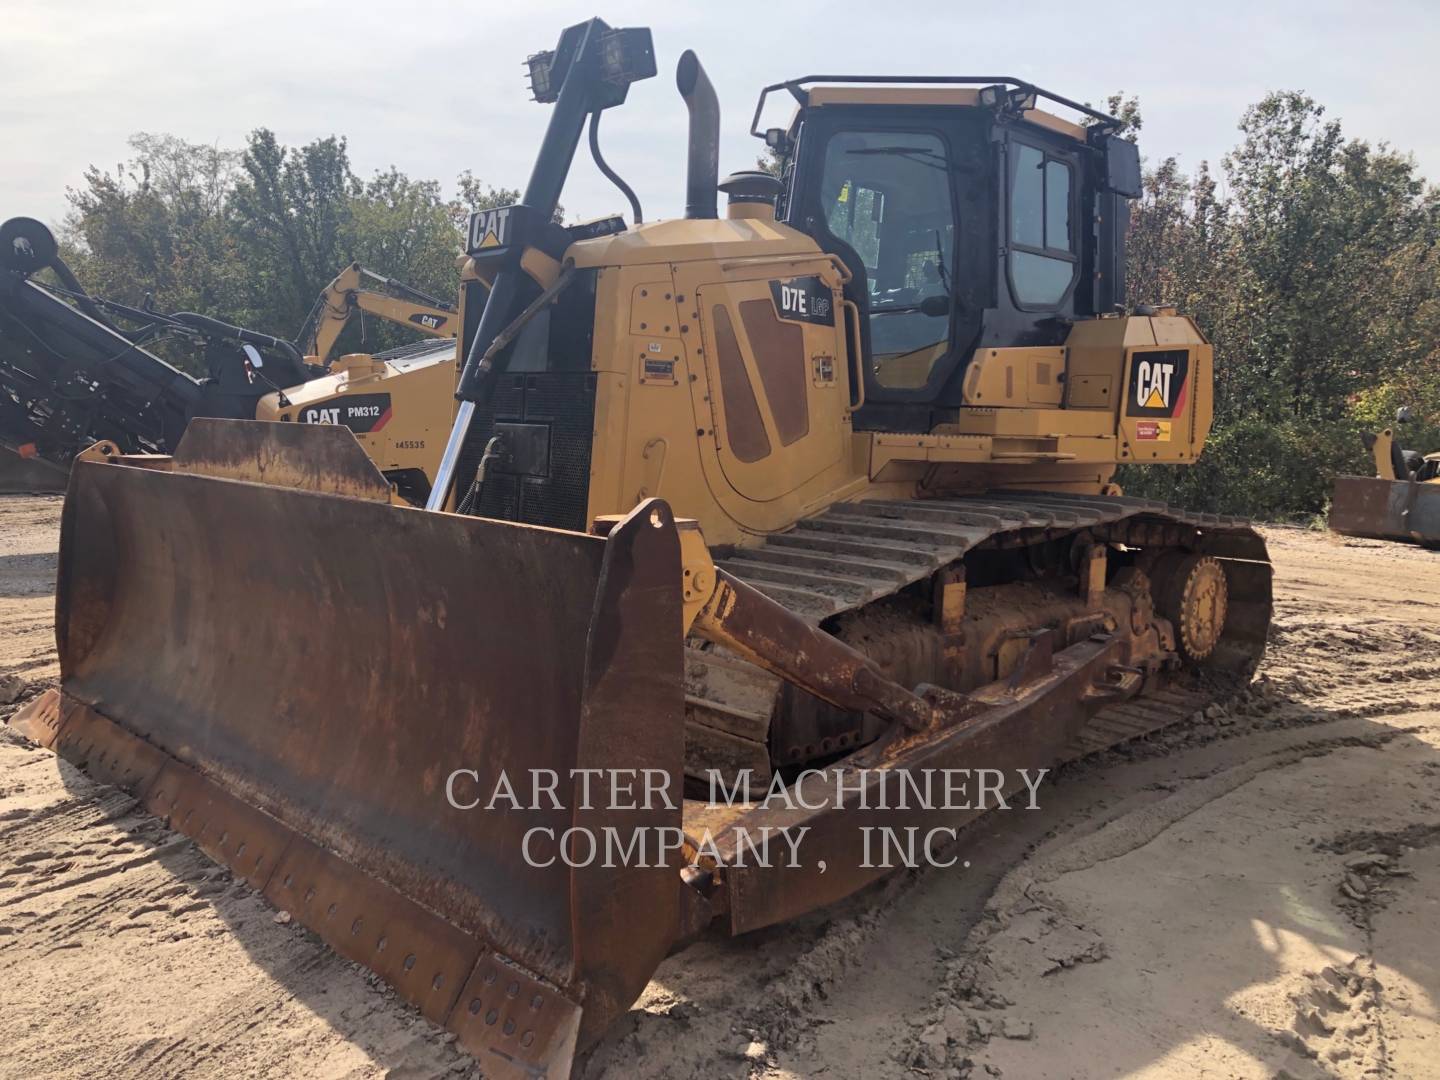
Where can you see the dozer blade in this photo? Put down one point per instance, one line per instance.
(292, 677)
(1387, 509)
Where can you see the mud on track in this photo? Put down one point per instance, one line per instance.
(1254, 893)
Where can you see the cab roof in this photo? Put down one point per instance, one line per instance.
(932, 95)
(1015, 97)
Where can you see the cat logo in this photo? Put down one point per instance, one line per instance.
(489, 228)
(1157, 378)
(361, 413)
(1158, 383)
(430, 322)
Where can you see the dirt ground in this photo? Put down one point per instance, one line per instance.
(1252, 894)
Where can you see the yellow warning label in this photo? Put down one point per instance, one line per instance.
(844, 195)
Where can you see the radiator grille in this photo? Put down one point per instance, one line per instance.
(565, 403)
(560, 397)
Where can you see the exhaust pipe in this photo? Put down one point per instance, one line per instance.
(703, 172)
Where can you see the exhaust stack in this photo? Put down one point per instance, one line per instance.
(703, 171)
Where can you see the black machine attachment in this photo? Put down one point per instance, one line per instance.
(75, 370)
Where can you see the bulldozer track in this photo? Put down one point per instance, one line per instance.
(855, 554)
(876, 547)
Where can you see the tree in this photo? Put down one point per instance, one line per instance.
(156, 227)
(1315, 278)
(1122, 108)
(155, 224)
(292, 211)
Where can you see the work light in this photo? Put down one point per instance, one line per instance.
(627, 55)
(542, 83)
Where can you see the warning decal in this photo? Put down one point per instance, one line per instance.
(1159, 386)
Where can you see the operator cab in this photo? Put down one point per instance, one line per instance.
(967, 218)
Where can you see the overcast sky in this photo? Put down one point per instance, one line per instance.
(436, 86)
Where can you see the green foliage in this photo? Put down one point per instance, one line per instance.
(1260, 468)
(253, 236)
(157, 225)
(771, 162)
(1314, 273)
(1126, 110)
(291, 213)
(474, 194)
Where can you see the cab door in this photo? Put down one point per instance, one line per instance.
(886, 193)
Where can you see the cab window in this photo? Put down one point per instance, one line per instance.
(1043, 262)
(887, 195)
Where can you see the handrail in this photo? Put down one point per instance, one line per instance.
(795, 88)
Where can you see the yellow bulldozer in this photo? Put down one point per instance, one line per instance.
(1400, 502)
(745, 523)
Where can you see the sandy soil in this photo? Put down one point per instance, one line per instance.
(1255, 893)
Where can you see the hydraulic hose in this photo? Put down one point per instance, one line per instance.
(610, 174)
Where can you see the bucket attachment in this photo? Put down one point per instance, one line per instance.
(310, 683)
(1387, 509)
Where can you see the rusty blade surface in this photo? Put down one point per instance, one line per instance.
(1387, 509)
(445, 972)
(40, 721)
(333, 661)
(304, 457)
(303, 673)
(510, 1020)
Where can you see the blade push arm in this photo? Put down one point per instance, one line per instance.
(728, 612)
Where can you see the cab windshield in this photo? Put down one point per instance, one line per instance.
(887, 195)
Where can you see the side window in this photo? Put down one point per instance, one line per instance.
(1042, 243)
(887, 195)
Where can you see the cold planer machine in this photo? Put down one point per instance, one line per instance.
(818, 489)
